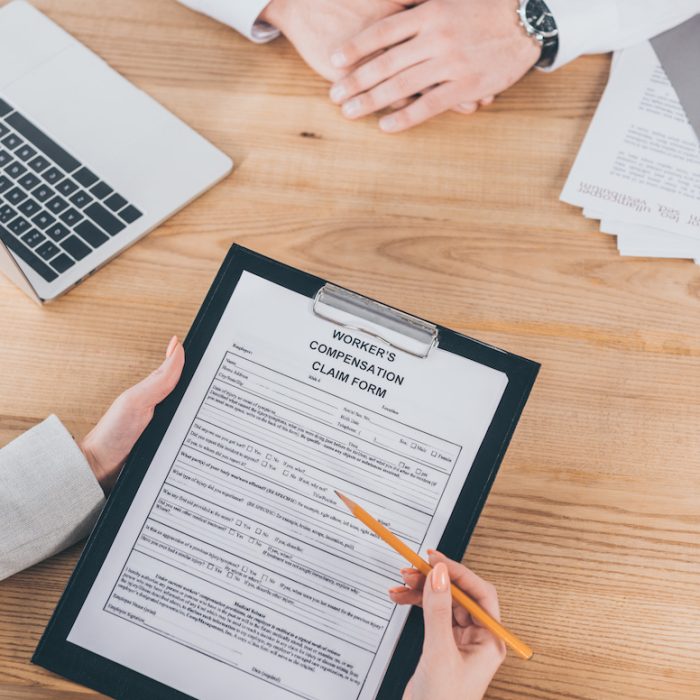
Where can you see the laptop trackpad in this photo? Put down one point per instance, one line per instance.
(27, 40)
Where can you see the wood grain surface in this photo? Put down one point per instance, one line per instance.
(591, 532)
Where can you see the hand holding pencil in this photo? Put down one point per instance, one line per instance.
(465, 642)
(460, 657)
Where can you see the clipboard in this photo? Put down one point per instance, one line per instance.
(394, 327)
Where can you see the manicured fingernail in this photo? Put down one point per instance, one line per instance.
(338, 92)
(431, 551)
(388, 123)
(440, 579)
(338, 59)
(397, 589)
(171, 347)
(352, 107)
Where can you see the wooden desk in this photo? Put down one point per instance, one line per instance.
(591, 532)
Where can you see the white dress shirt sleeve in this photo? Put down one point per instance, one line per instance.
(49, 497)
(242, 15)
(599, 26)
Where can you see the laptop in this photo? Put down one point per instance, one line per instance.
(88, 162)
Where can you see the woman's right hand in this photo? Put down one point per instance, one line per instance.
(459, 656)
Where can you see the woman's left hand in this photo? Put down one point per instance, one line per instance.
(108, 444)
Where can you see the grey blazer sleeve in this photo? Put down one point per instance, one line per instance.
(49, 497)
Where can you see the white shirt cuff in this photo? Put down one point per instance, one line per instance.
(242, 15)
(583, 27)
(599, 26)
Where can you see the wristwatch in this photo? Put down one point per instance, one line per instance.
(540, 24)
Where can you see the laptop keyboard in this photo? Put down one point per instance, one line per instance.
(53, 210)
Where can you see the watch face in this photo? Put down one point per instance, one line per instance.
(540, 19)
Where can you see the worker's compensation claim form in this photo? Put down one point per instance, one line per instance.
(236, 572)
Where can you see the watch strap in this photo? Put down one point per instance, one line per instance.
(550, 49)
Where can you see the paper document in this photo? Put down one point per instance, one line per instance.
(642, 241)
(640, 161)
(236, 572)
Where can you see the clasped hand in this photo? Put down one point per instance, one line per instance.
(417, 60)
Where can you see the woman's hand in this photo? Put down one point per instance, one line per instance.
(454, 53)
(108, 444)
(459, 656)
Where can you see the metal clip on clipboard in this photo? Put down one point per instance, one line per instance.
(394, 327)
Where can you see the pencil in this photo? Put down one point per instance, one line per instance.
(473, 608)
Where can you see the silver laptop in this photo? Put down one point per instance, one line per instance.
(88, 163)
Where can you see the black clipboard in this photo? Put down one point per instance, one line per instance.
(56, 654)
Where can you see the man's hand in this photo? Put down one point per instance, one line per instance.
(317, 27)
(455, 52)
(108, 444)
(459, 657)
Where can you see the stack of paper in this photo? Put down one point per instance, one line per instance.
(638, 171)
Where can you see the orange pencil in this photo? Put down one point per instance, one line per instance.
(474, 609)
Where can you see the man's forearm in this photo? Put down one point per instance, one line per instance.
(245, 16)
(599, 26)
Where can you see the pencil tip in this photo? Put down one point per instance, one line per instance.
(345, 500)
